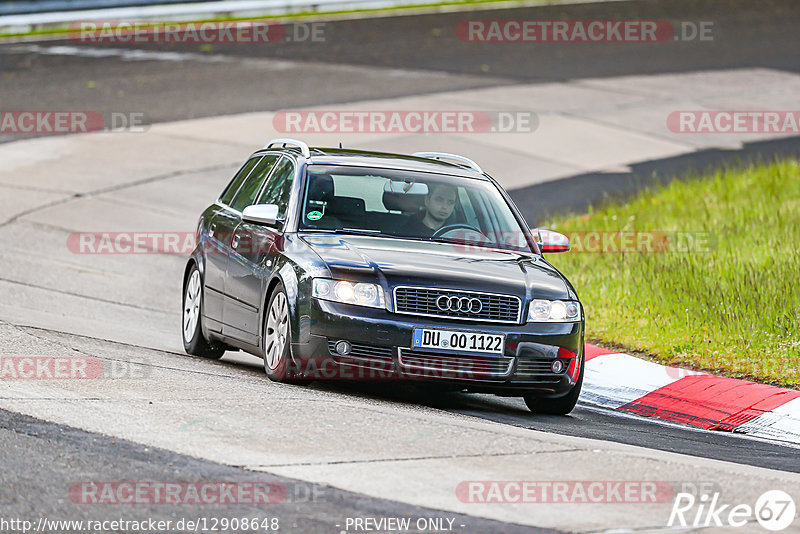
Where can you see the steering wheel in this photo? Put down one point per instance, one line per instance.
(452, 228)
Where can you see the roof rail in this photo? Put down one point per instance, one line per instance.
(283, 142)
(455, 157)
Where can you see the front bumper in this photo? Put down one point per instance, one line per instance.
(381, 349)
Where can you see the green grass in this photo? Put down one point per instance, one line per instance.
(57, 30)
(732, 307)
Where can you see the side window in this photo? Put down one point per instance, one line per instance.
(234, 184)
(247, 194)
(279, 187)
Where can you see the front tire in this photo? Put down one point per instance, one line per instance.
(558, 406)
(193, 340)
(277, 340)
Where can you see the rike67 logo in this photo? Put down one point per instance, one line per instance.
(774, 510)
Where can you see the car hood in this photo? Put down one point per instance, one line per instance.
(394, 262)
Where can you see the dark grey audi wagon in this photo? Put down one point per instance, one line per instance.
(346, 264)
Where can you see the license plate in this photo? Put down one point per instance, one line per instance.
(457, 341)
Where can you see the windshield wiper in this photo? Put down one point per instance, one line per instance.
(519, 255)
(482, 244)
(353, 231)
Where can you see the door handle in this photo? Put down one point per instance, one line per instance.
(235, 241)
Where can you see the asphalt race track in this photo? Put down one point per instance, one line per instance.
(61, 455)
(340, 450)
(423, 50)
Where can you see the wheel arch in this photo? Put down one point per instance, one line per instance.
(194, 259)
(288, 278)
(189, 265)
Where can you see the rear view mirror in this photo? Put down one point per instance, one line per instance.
(261, 213)
(405, 188)
(550, 241)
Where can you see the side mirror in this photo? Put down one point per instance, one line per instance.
(550, 241)
(261, 213)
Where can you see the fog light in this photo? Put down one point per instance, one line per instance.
(343, 348)
(558, 367)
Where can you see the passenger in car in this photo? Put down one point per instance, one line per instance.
(439, 205)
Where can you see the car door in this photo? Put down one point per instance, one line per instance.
(238, 309)
(219, 229)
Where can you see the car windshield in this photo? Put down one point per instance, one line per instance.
(409, 204)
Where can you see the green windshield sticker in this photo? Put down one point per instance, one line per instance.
(314, 215)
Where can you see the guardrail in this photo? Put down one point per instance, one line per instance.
(61, 13)
(41, 6)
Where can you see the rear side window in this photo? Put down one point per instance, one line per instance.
(248, 192)
(279, 187)
(236, 183)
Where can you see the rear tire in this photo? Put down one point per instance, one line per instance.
(558, 406)
(192, 332)
(277, 340)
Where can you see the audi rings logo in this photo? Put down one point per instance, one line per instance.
(459, 304)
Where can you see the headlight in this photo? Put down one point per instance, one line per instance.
(554, 311)
(360, 293)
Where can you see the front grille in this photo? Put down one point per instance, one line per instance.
(430, 364)
(539, 371)
(422, 301)
(364, 355)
